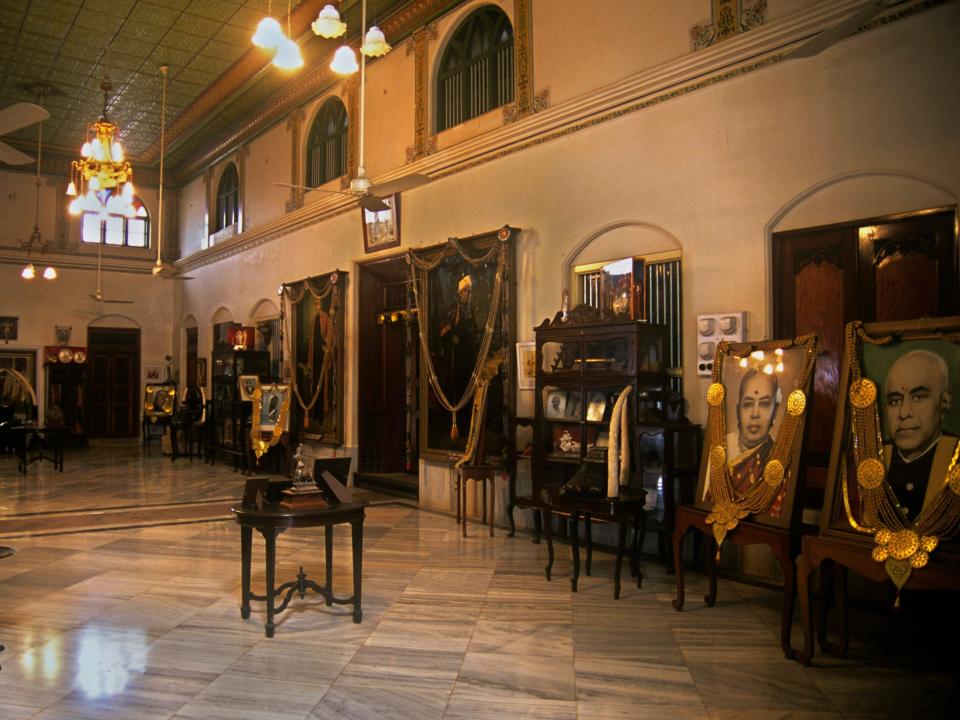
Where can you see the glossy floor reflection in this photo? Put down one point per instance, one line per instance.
(144, 623)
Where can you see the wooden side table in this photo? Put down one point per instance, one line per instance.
(625, 511)
(780, 540)
(941, 573)
(270, 521)
(50, 439)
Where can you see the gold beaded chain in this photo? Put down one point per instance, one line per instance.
(900, 545)
(729, 508)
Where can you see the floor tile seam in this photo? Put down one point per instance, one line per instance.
(78, 531)
(114, 509)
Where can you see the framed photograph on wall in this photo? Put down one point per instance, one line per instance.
(381, 228)
(274, 407)
(526, 365)
(153, 373)
(248, 386)
(554, 403)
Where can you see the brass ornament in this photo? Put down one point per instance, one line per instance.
(773, 473)
(718, 455)
(870, 473)
(904, 544)
(796, 402)
(880, 554)
(928, 543)
(898, 571)
(919, 560)
(863, 393)
(715, 394)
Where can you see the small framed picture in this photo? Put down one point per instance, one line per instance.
(274, 407)
(555, 403)
(153, 373)
(526, 365)
(381, 228)
(8, 328)
(248, 386)
(597, 407)
(574, 406)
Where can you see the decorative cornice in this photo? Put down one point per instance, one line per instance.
(741, 55)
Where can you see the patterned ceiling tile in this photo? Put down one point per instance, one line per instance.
(172, 4)
(184, 41)
(219, 10)
(12, 16)
(100, 25)
(147, 13)
(196, 25)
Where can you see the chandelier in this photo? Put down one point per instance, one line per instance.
(101, 180)
(35, 241)
(270, 36)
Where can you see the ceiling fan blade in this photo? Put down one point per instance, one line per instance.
(10, 156)
(168, 272)
(831, 35)
(372, 203)
(119, 302)
(20, 115)
(405, 182)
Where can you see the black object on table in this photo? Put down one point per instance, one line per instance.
(261, 510)
(41, 438)
(625, 510)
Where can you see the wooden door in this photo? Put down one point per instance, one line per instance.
(890, 268)
(386, 418)
(114, 382)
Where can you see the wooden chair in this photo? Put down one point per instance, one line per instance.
(472, 465)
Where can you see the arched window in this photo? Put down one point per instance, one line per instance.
(327, 144)
(476, 71)
(228, 198)
(115, 229)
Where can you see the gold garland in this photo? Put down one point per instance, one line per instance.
(290, 293)
(901, 546)
(259, 445)
(729, 508)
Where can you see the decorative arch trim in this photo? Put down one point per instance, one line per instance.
(568, 265)
(114, 320)
(264, 309)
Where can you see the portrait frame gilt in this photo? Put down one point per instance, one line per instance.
(316, 308)
(757, 408)
(893, 481)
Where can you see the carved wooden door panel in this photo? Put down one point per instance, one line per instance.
(891, 268)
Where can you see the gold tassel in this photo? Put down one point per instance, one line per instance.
(454, 433)
(896, 603)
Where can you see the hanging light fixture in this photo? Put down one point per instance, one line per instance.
(35, 242)
(269, 34)
(328, 23)
(375, 44)
(102, 168)
(344, 61)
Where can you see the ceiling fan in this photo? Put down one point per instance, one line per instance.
(13, 118)
(369, 196)
(162, 270)
(98, 295)
(834, 34)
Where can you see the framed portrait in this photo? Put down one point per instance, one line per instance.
(896, 434)
(381, 228)
(466, 316)
(755, 429)
(274, 407)
(8, 328)
(158, 400)
(526, 365)
(596, 407)
(317, 320)
(248, 385)
(202, 372)
(153, 373)
(554, 403)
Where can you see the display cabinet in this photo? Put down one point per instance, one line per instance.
(668, 458)
(65, 374)
(228, 416)
(583, 364)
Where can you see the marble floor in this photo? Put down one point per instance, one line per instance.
(141, 623)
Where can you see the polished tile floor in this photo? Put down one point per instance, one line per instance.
(143, 623)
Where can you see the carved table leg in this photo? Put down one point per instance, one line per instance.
(639, 530)
(513, 526)
(328, 551)
(493, 499)
(710, 560)
(827, 574)
(483, 502)
(621, 543)
(843, 619)
(589, 532)
(545, 515)
(246, 545)
(538, 525)
(575, 549)
(804, 570)
(270, 538)
(789, 593)
(678, 532)
(356, 528)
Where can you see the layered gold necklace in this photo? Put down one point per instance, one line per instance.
(730, 507)
(900, 545)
